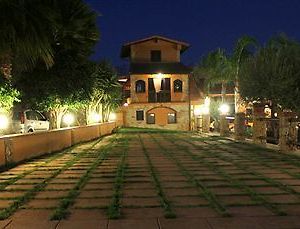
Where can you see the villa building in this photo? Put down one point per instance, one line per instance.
(160, 90)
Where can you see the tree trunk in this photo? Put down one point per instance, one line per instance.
(223, 92)
(6, 66)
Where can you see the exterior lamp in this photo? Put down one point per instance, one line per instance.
(68, 119)
(3, 122)
(112, 117)
(205, 110)
(207, 102)
(197, 111)
(157, 81)
(224, 109)
(95, 117)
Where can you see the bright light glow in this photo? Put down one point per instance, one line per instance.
(112, 117)
(125, 104)
(207, 101)
(159, 76)
(197, 111)
(3, 122)
(224, 108)
(122, 80)
(201, 110)
(95, 117)
(205, 110)
(68, 119)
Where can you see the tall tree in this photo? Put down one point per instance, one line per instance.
(105, 93)
(241, 53)
(274, 74)
(34, 30)
(216, 67)
(25, 35)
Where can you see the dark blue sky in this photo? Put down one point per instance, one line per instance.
(205, 24)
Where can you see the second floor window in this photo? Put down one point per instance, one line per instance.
(177, 86)
(140, 86)
(155, 56)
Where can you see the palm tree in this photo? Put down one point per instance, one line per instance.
(24, 34)
(34, 30)
(74, 26)
(217, 68)
(241, 53)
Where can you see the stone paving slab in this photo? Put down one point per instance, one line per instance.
(186, 181)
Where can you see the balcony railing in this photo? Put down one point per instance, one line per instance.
(160, 97)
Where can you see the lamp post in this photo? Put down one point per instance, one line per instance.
(224, 127)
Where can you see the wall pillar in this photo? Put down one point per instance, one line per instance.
(287, 131)
(205, 123)
(259, 124)
(239, 126)
(224, 127)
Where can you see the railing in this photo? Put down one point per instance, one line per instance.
(160, 97)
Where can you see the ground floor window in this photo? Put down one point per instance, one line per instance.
(139, 115)
(151, 118)
(171, 118)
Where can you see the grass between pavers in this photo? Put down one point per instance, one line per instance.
(165, 203)
(260, 176)
(51, 158)
(263, 158)
(30, 194)
(256, 197)
(137, 130)
(62, 211)
(114, 209)
(204, 191)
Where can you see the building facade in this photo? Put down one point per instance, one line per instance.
(158, 87)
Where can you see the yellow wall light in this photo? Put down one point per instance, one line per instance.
(3, 122)
(69, 119)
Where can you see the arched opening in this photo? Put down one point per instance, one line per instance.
(140, 86)
(177, 85)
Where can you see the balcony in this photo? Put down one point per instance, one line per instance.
(163, 96)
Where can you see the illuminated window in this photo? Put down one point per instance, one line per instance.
(171, 118)
(151, 118)
(177, 86)
(139, 115)
(140, 86)
(155, 55)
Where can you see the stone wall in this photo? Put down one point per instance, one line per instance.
(175, 96)
(160, 110)
(19, 147)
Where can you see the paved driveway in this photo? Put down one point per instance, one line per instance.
(154, 180)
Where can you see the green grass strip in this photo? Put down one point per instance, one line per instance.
(20, 201)
(208, 195)
(235, 182)
(114, 209)
(165, 203)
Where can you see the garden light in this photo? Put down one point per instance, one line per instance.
(68, 119)
(224, 109)
(95, 117)
(112, 117)
(3, 122)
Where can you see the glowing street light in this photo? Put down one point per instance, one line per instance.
(224, 109)
(68, 119)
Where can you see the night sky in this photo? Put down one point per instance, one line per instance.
(204, 24)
